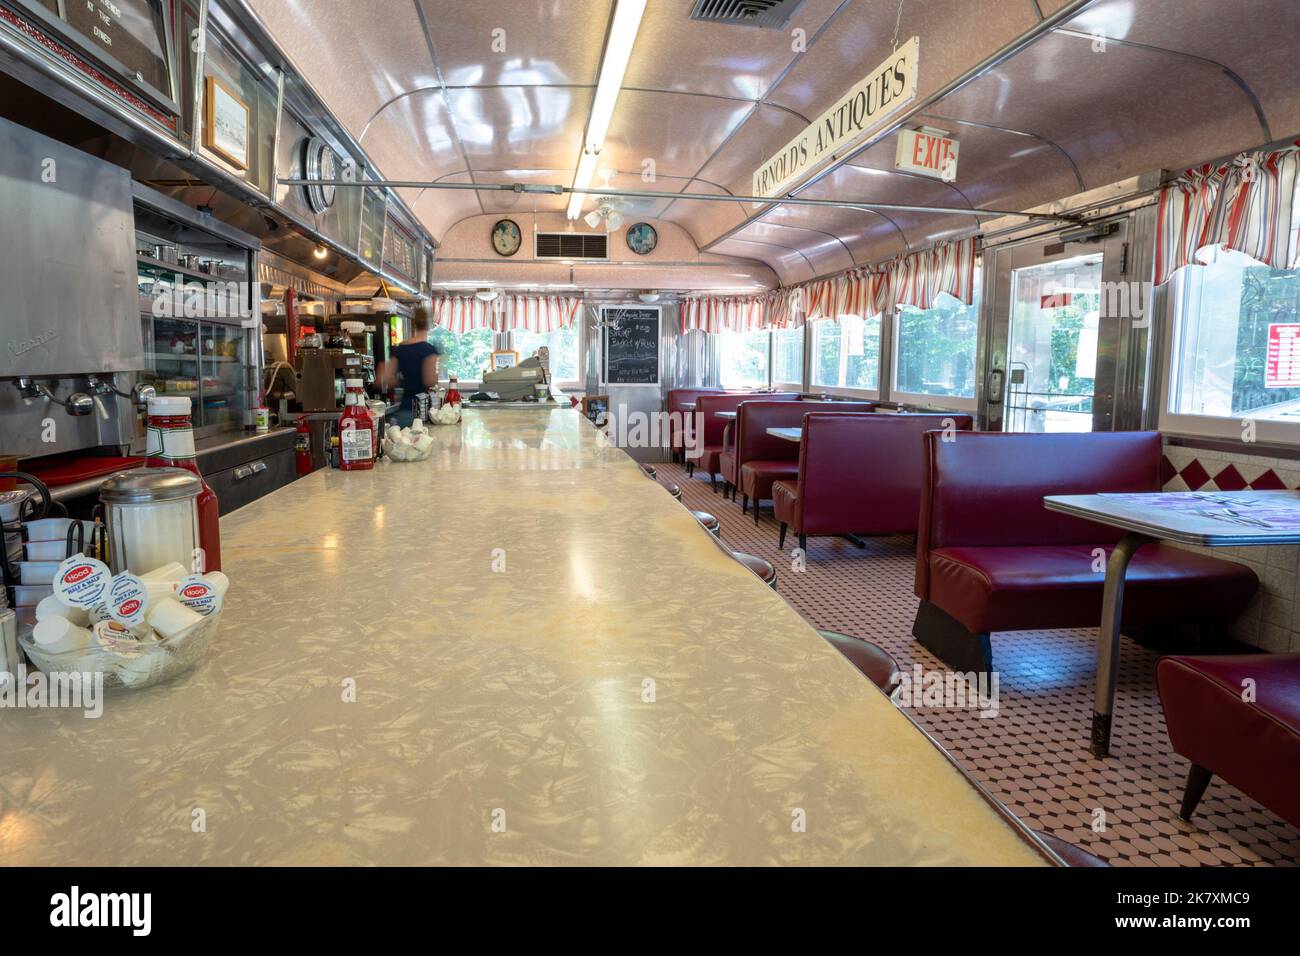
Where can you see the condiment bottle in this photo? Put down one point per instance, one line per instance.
(356, 430)
(170, 444)
(453, 393)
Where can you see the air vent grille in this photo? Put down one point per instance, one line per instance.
(572, 245)
(772, 14)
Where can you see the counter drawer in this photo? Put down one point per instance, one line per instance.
(236, 487)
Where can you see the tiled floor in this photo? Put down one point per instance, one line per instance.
(1034, 755)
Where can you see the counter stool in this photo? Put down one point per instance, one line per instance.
(765, 569)
(648, 470)
(1068, 852)
(672, 489)
(875, 663)
(711, 524)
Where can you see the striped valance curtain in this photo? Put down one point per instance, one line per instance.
(1244, 205)
(724, 313)
(532, 313)
(918, 278)
(915, 279)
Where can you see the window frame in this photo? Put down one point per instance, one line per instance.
(1226, 428)
(444, 372)
(876, 394)
(770, 356)
(771, 361)
(926, 399)
(563, 384)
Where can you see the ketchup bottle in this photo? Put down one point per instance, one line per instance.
(453, 393)
(170, 444)
(356, 430)
(302, 447)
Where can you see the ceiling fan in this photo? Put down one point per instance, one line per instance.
(609, 211)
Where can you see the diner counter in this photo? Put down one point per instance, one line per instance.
(552, 663)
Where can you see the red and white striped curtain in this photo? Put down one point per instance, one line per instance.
(1243, 205)
(865, 292)
(532, 313)
(918, 278)
(723, 313)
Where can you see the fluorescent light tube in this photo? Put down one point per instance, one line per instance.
(618, 51)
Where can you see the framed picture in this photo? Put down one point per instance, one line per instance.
(225, 123)
(505, 358)
(596, 409)
(642, 238)
(506, 237)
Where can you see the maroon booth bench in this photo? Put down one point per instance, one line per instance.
(1253, 745)
(858, 474)
(756, 459)
(990, 557)
(680, 426)
(708, 406)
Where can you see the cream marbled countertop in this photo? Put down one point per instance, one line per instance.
(499, 714)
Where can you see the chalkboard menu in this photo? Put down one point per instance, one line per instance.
(128, 36)
(631, 346)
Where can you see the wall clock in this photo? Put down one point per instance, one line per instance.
(642, 238)
(319, 161)
(506, 237)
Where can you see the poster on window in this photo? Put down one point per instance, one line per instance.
(1282, 368)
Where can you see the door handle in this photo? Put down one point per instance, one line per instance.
(259, 467)
(242, 472)
(997, 379)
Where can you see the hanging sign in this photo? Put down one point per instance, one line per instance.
(928, 153)
(849, 119)
(1282, 366)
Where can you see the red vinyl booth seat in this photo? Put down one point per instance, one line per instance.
(858, 474)
(757, 459)
(708, 406)
(680, 427)
(1255, 746)
(991, 557)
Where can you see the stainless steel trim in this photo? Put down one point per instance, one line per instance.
(558, 189)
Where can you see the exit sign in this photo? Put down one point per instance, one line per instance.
(927, 152)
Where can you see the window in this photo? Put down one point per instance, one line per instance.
(1229, 315)
(743, 359)
(936, 349)
(566, 355)
(1234, 352)
(787, 357)
(846, 353)
(466, 355)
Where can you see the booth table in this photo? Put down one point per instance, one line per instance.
(1203, 519)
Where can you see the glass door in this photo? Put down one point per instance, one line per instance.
(1055, 336)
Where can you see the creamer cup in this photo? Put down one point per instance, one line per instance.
(128, 599)
(82, 582)
(199, 594)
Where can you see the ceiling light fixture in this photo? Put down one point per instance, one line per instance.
(486, 295)
(320, 252)
(618, 51)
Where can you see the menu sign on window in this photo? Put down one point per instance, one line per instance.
(1282, 367)
(128, 35)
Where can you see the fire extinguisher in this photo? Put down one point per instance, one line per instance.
(302, 447)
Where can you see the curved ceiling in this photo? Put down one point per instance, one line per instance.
(443, 90)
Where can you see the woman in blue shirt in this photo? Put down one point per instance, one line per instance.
(414, 366)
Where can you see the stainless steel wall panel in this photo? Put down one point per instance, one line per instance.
(67, 261)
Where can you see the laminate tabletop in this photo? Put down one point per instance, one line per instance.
(520, 651)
